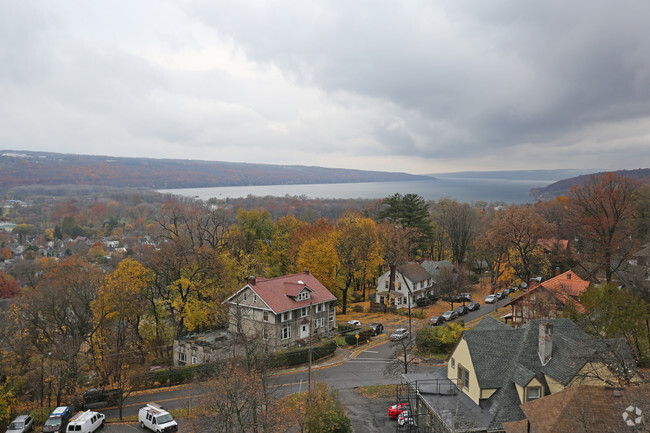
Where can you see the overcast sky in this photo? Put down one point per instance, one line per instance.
(414, 86)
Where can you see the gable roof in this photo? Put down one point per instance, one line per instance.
(280, 293)
(434, 268)
(564, 287)
(597, 409)
(414, 272)
(504, 356)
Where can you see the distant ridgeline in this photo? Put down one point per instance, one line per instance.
(562, 187)
(18, 168)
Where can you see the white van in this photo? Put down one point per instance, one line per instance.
(86, 422)
(157, 419)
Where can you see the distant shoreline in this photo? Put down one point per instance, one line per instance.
(461, 189)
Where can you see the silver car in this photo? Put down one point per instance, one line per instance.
(22, 424)
(399, 334)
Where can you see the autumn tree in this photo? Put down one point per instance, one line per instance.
(318, 411)
(191, 270)
(396, 242)
(519, 229)
(358, 250)
(235, 400)
(459, 223)
(56, 319)
(8, 286)
(603, 209)
(118, 311)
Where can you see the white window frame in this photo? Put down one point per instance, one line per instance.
(319, 308)
(303, 312)
(318, 323)
(181, 356)
(265, 316)
(254, 299)
(286, 316)
(195, 360)
(245, 296)
(285, 333)
(530, 397)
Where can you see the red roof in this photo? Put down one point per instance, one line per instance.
(562, 287)
(279, 293)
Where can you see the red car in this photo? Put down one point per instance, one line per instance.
(396, 409)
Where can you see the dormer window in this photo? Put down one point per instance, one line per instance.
(302, 295)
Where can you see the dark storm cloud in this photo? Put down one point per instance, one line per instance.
(506, 72)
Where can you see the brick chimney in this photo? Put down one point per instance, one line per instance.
(252, 280)
(557, 271)
(545, 343)
(306, 271)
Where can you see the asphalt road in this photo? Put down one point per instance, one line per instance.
(367, 368)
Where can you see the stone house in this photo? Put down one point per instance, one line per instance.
(278, 310)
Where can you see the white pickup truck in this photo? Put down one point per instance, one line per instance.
(156, 419)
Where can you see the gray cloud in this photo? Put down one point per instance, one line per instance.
(412, 86)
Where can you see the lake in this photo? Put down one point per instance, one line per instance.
(463, 190)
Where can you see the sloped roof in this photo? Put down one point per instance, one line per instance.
(504, 356)
(279, 293)
(434, 268)
(564, 287)
(414, 272)
(596, 409)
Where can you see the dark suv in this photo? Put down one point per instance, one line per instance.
(57, 420)
(377, 328)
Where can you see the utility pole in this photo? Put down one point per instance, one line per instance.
(409, 296)
(309, 368)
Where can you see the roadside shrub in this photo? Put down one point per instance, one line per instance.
(437, 340)
(364, 335)
(300, 355)
(40, 414)
(357, 308)
(346, 327)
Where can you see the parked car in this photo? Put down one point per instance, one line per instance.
(396, 409)
(405, 418)
(154, 417)
(491, 299)
(466, 296)
(436, 320)
(57, 420)
(506, 292)
(473, 306)
(354, 322)
(22, 424)
(399, 334)
(450, 315)
(86, 422)
(500, 295)
(462, 310)
(377, 328)
(96, 395)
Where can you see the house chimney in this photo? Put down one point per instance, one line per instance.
(252, 280)
(545, 343)
(557, 271)
(306, 271)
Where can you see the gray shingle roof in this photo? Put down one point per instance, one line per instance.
(414, 272)
(504, 356)
(434, 267)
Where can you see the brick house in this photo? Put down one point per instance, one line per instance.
(278, 309)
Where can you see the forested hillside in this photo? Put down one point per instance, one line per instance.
(30, 168)
(562, 187)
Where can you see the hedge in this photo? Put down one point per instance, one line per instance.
(300, 355)
(364, 335)
(346, 327)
